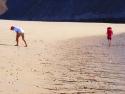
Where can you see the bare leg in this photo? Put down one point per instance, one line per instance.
(24, 39)
(17, 39)
(109, 41)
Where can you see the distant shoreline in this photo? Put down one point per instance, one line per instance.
(93, 20)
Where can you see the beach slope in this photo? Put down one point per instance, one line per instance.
(62, 58)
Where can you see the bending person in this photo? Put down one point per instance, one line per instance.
(19, 32)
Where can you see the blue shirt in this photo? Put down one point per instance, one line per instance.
(18, 29)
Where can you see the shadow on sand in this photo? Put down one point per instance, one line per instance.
(2, 44)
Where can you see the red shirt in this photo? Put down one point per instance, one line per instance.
(109, 32)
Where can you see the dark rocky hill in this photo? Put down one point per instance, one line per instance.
(66, 10)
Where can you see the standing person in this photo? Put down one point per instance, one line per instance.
(19, 32)
(109, 35)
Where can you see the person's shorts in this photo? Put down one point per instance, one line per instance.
(20, 34)
(109, 37)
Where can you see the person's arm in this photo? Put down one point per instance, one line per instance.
(107, 33)
(112, 32)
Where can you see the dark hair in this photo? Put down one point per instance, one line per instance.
(12, 27)
(109, 28)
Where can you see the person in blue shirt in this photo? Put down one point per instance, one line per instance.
(19, 32)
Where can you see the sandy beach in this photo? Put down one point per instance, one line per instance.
(62, 58)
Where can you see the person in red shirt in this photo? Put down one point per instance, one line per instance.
(109, 35)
